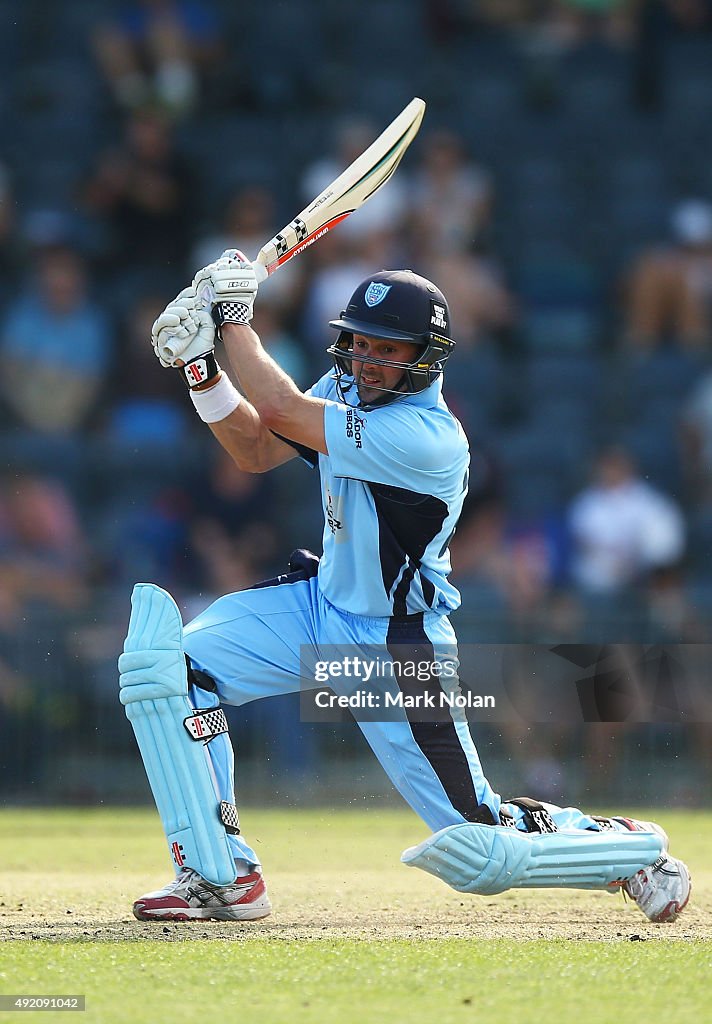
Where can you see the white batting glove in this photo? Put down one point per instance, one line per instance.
(183, 336)
(227, 288)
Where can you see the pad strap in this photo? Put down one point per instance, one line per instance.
(536, 816)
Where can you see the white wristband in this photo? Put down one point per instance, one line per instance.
(217, 402)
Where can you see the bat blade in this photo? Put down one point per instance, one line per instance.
(351, 189)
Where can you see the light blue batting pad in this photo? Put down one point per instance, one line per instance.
(487, 859)
(154, 691)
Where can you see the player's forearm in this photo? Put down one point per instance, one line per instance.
(279, 403)
(245, 438)
(269, 389)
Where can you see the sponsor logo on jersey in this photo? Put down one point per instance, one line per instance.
(333, 523)
(354, 426)
(376, 293)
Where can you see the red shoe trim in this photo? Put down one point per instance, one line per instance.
(628, 822)
(166, 902)
(258, 889)
(178, 916)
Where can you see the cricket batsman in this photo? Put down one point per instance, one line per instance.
(393, 463)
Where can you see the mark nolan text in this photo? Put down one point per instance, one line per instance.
(369, 699)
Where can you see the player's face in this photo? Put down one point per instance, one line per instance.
(372, 378)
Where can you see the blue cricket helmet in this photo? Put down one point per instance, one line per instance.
(398, 305)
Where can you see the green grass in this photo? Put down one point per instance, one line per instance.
(355, 981)
(342, 945)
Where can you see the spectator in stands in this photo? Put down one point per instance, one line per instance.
(624, 532)
(141, 193)
(249, 219)
(517, 563)
(696, 431)
(480, 302)
(232, 534)
(8, 240)
(43, 556)
(336, 265)
(55, 346)
(690, 15)
(669, 297)
(248, 216)
(451, 198)
(154, 51)
(143, 406)
(697, 440)
(560, 24)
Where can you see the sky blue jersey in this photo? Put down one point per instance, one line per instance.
(392, 488)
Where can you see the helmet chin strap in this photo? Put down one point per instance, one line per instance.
(397, 392)
(383, 399)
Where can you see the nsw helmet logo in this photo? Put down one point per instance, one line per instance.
(376, 293)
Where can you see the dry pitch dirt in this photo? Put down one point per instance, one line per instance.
(427, 912)
(73, 877)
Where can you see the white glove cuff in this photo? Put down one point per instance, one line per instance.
(217, 402)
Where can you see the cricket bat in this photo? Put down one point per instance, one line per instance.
(351, 189)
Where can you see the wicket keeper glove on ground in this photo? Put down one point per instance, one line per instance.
(228, 288)
(185, 332)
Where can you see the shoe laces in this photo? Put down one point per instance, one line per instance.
(183, 876)
(635, 886)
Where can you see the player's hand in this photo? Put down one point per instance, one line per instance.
(183, 331)
(227, 287)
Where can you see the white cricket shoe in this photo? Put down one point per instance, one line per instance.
(636, 825)
(661, 890)
(190, 897)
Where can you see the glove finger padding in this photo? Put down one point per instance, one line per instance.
(229, 258)
(172, 322)
(171, 333)
(230, 279)
(194, 336)
(202, 339)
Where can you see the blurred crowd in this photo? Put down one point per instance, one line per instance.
(558, 195)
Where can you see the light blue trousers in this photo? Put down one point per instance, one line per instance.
(249, 643)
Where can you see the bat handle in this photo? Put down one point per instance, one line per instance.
(261, 272)
(168, 348)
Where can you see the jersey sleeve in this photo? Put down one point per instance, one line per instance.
(323, 388)
(389, 445)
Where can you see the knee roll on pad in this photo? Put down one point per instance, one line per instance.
(154, 692)
(487, 859)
